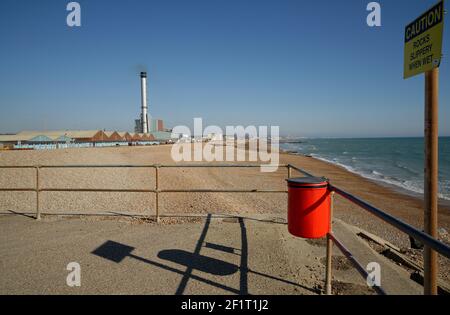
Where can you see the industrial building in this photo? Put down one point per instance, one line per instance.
(146, 124)
(142, 123)
(74, 139)
(156, 125)
(147, 132)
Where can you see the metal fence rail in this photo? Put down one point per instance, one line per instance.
(426, 239)
(360, 268)
(157, 190)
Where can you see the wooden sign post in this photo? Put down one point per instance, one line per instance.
(422, 54)
(431, 178)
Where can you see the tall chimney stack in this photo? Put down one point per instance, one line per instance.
(144, 112)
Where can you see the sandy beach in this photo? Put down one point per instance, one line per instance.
(403, 206)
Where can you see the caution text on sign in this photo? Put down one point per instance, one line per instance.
(423, 42)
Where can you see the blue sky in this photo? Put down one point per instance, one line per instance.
(314, 68)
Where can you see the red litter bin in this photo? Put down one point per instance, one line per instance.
(308, 207)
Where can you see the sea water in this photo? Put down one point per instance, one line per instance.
(394, 161)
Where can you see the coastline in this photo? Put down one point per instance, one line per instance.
(391, 199)
(410, 193)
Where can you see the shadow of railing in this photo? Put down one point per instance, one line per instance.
(117, 252)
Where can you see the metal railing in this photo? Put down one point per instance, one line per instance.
(404, 227)
(331, 238)
(157, 190)
(426, 239)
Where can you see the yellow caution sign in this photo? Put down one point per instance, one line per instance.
(423, 42)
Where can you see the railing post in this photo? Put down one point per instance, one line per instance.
(157, 193)
(289, 170)
(38, 210)
(328, 275)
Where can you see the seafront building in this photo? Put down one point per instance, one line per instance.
(147, 131)
(80, 139)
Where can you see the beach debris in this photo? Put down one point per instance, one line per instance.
(415, 244)
(443, 234)
(401, 259)
(376, 239)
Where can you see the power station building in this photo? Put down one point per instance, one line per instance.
(147, 131)
(146, 124)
